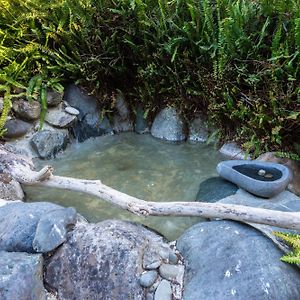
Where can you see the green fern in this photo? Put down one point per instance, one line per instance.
(292, 240)
(6, 108)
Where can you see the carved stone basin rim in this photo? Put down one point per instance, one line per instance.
(263, 179)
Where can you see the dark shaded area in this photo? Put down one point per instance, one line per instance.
(271, 174)
(214, 189)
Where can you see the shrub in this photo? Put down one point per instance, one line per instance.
(236, 60)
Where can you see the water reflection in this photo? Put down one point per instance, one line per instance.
(138, 165)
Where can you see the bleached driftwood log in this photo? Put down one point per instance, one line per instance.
(21, 168)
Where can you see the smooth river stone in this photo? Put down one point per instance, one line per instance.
(230, 260)
(72, 111)
(148, 278)
(163, 291)
(171, 272)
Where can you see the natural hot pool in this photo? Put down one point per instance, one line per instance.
(138, 165)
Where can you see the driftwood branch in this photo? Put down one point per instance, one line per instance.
(21, 169)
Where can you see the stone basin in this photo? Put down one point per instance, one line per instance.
(263, 179)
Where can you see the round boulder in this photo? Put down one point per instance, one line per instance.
(228, 260)
(16, 128)
(168, 125)
(48, 143)
(100, 261)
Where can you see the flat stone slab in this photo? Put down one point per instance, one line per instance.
(59, 118)
(246, 174)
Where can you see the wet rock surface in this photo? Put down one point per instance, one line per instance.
(21, 276)
(19, 222)
(168, 125)
(48, 143)
(226, 259)
(16, 128)
(100, 261)
(214, 189)
(91, 126)
(89, 122)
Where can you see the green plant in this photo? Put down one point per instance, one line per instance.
(236, 61)
(292, 240)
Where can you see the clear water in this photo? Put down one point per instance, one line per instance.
(138, 165)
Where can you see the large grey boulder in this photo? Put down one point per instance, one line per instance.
(89, 123)
(19, 222)
(168, 125)
(75, 97)
(16, 128)
(26, 110)
(47, 143)
(214, 189)
(263, 179)
(10, 189)
(21, 276)
(100, 261)
(228, 260)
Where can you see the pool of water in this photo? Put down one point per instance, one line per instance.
(138, 165)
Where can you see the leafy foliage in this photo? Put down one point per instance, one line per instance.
(236, 60)
(292, 240)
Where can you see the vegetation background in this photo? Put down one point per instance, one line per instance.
(237, 61)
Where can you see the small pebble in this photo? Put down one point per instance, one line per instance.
(149, 296)
(72, 111)
(153, 266)
(171, 272)
(261, 172)
(173, 259)
(163, 291)
(269, 175)
(148, 278)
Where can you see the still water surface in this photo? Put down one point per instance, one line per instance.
(138, 165)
